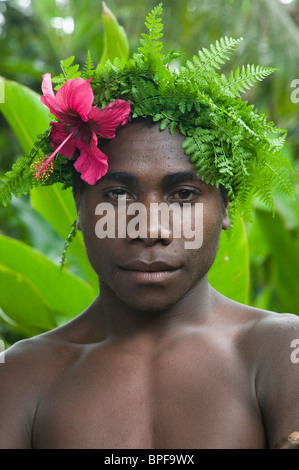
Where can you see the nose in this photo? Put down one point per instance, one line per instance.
(151, 223)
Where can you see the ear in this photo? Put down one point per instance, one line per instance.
(225, 219)
(77, 198)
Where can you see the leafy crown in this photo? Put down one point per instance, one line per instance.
(228, 142)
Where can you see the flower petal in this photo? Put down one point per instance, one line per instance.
(47, 88)
(58, 134)
(75, 97)
(92, 163)
(105, 121)
(48, 97)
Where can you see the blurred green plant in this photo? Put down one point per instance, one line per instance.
(274, 257)
(35, 294)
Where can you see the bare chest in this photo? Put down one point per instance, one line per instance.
(128, 401)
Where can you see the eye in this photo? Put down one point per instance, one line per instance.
(185, 194)
(118, 192)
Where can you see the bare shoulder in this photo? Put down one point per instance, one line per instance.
(273, 341)
(27, 369)
(257, 327)
(279, 322)
(263, 329)
(274, 333)
(274, 337)
(22, 377)
(29, 364)
(42, 353)
(31, 352)
(269, 342)
(33, 363)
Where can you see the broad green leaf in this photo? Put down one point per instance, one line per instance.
(115, 38)
(263, 299)
(230, 272)
(284, 249)
(58, 208)
(24, 112)
(259, 248)
(62, 292)
(22, 302)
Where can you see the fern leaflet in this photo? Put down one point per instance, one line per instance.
(88, 69)
(216, 56)
(242, 80)
(69, 71)
(150, 43)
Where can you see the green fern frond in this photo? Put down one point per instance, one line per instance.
(281, 180)
(216, 56)
(65, 64)
(149, 43)
(242, 80)
(20, 179)
(70, 237)
(173, 54)
(69, 71)
(88, 69)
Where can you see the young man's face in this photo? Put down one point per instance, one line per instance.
(151, 268)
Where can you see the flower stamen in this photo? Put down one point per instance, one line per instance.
(44, 167)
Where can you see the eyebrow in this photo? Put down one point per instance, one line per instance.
(167, 180)
(120, 177)
(180, 177)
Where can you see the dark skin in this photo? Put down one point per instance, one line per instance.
(160, 359)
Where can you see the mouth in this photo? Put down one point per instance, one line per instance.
(156, 271)
(143, 266)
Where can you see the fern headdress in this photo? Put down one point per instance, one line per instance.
(228, 141)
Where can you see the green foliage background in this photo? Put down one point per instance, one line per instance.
(263, 260)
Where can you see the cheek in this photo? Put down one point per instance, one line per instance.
(213, 215)
(102, 252)
(93, 245)
(203, 258)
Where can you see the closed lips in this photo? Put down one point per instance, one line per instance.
(142, 266)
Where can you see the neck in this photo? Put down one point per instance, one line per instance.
(124, 322)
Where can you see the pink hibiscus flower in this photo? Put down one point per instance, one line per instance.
(80, 124)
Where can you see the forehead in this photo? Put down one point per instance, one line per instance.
(143, 148)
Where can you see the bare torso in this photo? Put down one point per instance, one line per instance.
(108, 396)
(193, 387)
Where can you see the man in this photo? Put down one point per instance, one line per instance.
(160, 360)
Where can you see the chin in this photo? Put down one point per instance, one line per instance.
(152, 304)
